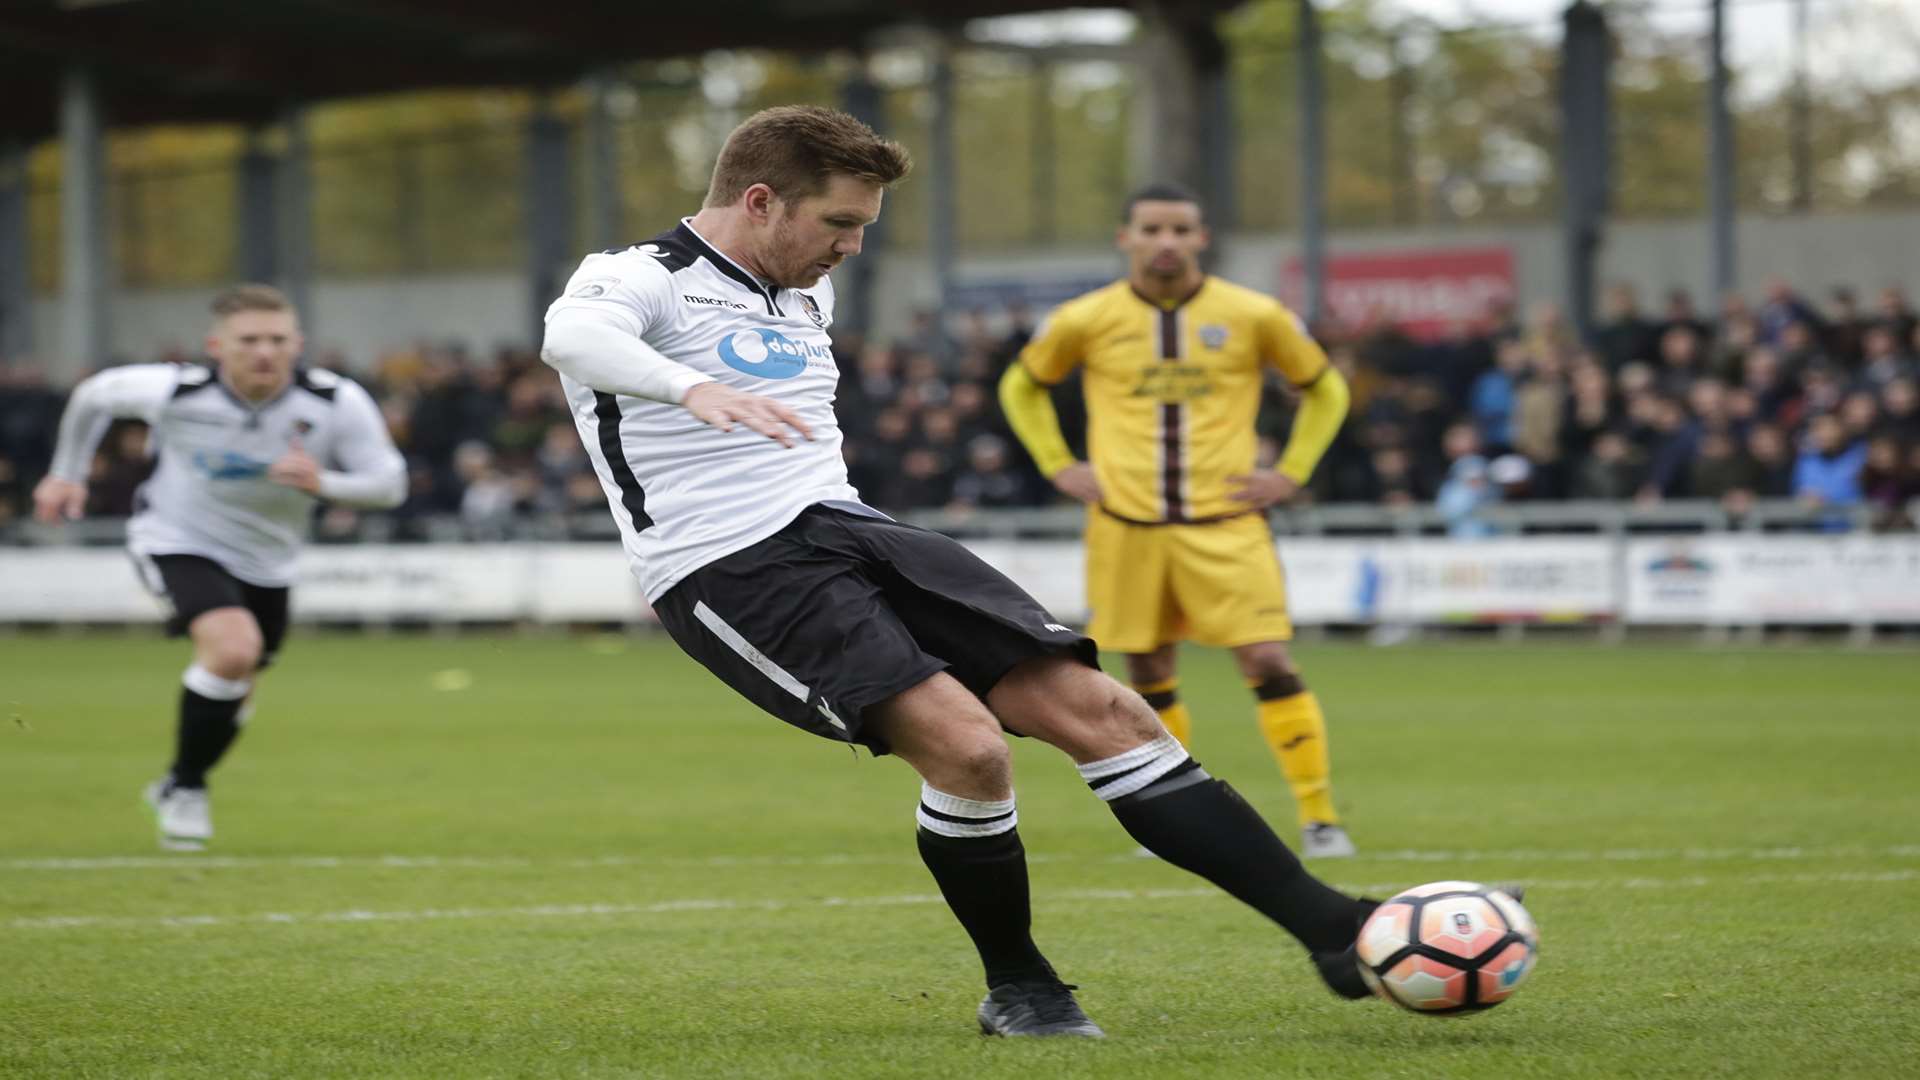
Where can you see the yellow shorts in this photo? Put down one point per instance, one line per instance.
(1215, 584)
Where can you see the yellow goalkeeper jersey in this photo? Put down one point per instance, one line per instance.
(1172, 390)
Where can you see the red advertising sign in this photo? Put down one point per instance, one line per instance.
(1426, 291)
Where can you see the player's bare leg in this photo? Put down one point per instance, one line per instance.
(1296, 732)
(1155, 676)
(969, 839)
(227, 644)
(1170, 805)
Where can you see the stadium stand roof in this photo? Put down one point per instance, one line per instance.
(161, 61)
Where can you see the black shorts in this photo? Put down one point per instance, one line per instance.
(194, 585)
(840, 611)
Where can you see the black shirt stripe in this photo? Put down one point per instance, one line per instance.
(607, 408)
(1172, 423)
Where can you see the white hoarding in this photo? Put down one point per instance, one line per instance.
(1750, 579)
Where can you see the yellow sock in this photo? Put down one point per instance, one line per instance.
(1297, 733)
(1173, 712)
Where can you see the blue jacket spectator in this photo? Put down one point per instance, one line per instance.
(1828, 472)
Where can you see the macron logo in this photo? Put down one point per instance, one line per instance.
(1057, 628)
(711, 302)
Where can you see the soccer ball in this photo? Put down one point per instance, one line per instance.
(1448, 947)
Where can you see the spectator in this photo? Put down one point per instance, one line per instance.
(1783, 308)
(1681, 360)
(1772, 455)
(1800, 349)
(920, 480)
(989, 479)
(930, 339)
(1467, 491)
(975, 411)
(1738, 337)
(1859, 415)
(1897, 315)
(1774, 398)
(1611, 471)
(1589, 411)
(1882, 360)
(1887, 485)
(488, 498)
(1671, 438)
(1681, 312)
(1900, 410)
(1828, 470)
(1623, 335)
(869, 388)
(1396, 483)
(1723, 471)
(1846, 325)
(121, 466)
(1494, 394)
(1539, 410)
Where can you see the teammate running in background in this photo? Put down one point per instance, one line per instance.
(245, 446)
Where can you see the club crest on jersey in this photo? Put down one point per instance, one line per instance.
(301, 427)
(768, 354)
(813, 311)
(1213, 335)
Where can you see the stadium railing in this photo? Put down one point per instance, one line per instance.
(1066, 522)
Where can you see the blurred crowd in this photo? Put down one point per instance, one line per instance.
(1789, 397)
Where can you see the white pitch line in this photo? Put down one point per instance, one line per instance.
(1068, 896)
(494, 862)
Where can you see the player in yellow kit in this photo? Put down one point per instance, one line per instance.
(1178, 547)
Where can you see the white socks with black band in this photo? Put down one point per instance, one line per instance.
(1148, 770)
(961, 819)
(213, 687)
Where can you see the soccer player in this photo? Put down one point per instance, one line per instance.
(1178, 547)
(701, 379)
(245, 447)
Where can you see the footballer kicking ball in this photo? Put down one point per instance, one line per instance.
(1449, 947)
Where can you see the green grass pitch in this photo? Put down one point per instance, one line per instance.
(582, 857)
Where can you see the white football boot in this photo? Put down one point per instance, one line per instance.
(183, 815)
(1325, 840)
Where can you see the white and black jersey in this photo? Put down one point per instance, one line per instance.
(209, 495)
(685, 494)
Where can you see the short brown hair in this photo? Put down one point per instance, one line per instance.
(249, 297)
(794, 149)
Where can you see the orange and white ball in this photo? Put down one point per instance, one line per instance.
(1448, 947)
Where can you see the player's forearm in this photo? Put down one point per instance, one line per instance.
(1030, 413)
(372, 489)
(84, 424)
(1323, 408)
(613, 361)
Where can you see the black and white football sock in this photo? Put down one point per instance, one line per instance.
(974, 852)
(1167, 802)
(209, 722)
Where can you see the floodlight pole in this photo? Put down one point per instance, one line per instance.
(16, 286)
(86, 259)
(603, 162)
(293, 196)
(1800, 118)
(944, 181)
(860, 96)
(1313, 161)
(1720, 163)
(549, 205)
(1585, 154)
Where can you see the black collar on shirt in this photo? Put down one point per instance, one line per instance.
(769, 293)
